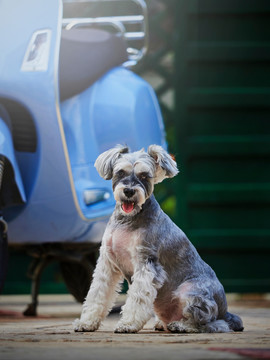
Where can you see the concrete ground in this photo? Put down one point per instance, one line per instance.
(50, 335)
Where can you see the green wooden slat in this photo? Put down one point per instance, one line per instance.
(247, 139)
(245, 239)
(229, 193)
(222, 97)
(245, 285)
(47, 287)
(231, 120)
(231, 51)
(235, 91)
(259, 283)
(228, 170)
(229, 216)
(228, 145)
(228, 6)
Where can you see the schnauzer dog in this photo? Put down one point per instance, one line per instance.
(165, 273)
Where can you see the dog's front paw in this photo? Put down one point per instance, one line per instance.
(126, 328)
(80, 325)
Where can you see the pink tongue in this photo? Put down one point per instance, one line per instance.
(127, 207)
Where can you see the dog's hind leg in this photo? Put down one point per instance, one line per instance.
(199, 316)
(217, 326)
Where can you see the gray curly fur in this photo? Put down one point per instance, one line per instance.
(189, 297)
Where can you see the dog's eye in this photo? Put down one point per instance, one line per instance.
(121, 173)
(143, 176)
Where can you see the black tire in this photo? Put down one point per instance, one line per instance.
(3, 256)
(78, 277)
(3, 230)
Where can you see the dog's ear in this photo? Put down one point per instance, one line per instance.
(105, 162)
(166, 167)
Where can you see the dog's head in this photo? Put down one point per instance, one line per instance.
(135, 174)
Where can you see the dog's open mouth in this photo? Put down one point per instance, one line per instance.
(128, 206)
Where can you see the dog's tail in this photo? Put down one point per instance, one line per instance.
(234, 321)
(231, 322)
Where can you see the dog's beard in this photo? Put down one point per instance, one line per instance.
(129, 206)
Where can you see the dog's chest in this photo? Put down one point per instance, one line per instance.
(123, 249)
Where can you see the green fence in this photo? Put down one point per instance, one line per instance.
(222, 117)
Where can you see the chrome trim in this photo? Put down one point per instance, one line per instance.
(36, 57)
(94, 196)
(119, 23)
(76, 22)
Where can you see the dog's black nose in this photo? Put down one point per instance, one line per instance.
(129, 192)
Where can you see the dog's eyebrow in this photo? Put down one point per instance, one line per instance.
(140, 167)
(123, 165)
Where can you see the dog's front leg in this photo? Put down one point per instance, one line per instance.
(140, 298)
(101, 295)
